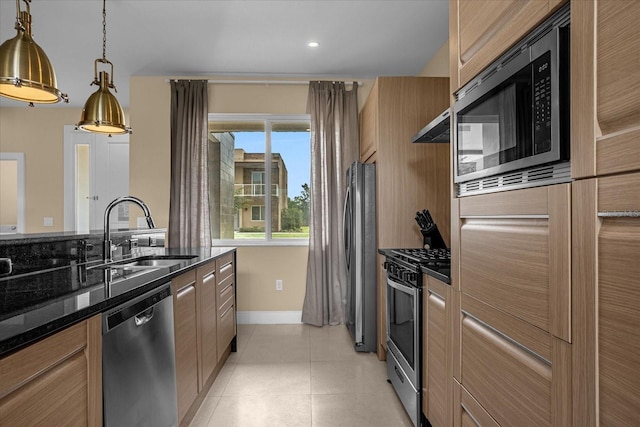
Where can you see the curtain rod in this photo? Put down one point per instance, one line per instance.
(264, 82)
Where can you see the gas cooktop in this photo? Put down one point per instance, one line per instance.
(436, 261)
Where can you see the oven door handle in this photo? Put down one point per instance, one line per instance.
(399, 286)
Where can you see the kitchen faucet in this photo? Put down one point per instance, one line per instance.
(108, 245)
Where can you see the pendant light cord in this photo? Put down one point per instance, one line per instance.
(104, 30)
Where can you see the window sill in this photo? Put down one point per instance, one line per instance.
(252, 242)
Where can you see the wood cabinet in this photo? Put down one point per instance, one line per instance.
(205, 326)
(409, 177)
(606, 301)
(437, 369)
(186, 342)
(511, 264)
(482, 30)
(605, 81)
(56, 381)
(518, 373)
(207, 319)
(514, 253)
(226, 297)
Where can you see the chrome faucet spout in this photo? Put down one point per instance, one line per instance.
(108, 245)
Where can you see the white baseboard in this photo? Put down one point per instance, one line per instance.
(268, 317)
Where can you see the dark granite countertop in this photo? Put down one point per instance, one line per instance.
(35, 305)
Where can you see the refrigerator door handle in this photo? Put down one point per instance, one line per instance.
(346, 217)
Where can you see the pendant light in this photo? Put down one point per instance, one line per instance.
(25, 71)
(102, 112)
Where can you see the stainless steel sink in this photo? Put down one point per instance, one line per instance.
(152, 263)
(157, 261)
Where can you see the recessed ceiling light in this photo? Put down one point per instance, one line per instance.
(313, 44)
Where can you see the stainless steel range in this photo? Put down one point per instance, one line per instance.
(404, 316)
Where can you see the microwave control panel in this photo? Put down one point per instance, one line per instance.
(542, 103)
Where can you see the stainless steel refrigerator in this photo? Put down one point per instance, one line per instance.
(361, 255)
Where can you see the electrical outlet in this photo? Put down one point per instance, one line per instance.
(48, 221)
(278, 285)
(141, 222)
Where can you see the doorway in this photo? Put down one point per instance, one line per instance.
(96, 171)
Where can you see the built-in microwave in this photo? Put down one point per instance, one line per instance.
(511, 122)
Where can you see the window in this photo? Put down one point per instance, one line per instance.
(257, 183)
(257, 213)
(259, 171)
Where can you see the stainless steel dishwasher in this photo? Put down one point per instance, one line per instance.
(138, 362)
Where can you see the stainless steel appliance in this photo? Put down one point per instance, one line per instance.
(512, 120)
(360, 253)
(404, 310)
(138, 362)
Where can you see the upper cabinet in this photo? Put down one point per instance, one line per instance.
(480, 31)
(605, 82)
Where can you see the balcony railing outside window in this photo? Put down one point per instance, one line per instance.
(252, 190)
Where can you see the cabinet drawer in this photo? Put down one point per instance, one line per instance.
(224, 266)
(515, 254)
(222, 285)
(226, 299)
(518, 373)
(226, 328)
(496, 370)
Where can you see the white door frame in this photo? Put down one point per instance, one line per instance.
(19, 158)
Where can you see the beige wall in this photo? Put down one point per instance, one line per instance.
(258, 269)
(438, 66)
(38, 133)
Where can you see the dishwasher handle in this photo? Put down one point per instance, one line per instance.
(140, 308)
(143, 318)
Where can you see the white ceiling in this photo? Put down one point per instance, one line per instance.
(244, 38)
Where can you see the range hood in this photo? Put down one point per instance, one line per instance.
(436, 131)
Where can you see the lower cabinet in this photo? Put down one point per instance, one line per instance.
(205, 326)
(606, 295)
(185, 327)
(519, 374)
(436, 352)
(56, 381)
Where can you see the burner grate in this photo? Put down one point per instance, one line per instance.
(425, 256)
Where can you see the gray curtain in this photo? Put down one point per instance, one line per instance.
(189, 221)
(334, 146)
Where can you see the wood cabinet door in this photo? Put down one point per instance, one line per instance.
(485, 29)
(605, 81)
(515, 254)
(436, 351)
(56, 381)
(519, 374)
(369, 125)
(185, 329)
(207, 314)
(607, 300)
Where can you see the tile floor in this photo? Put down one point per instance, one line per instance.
(300, 375)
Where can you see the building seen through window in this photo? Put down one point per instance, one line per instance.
(246, 201)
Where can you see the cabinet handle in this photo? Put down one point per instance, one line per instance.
(619, 214)
(226, 311)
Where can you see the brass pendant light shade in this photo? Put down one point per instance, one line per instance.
(25, 71)
(102, 112)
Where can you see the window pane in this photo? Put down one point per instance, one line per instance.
(290, 172)
(233, 157)
(241, 191)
